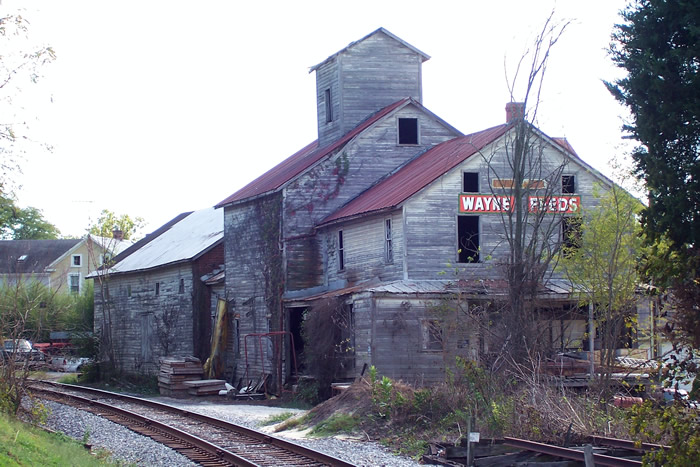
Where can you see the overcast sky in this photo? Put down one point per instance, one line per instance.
(158, 107)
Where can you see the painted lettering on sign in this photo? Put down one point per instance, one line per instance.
(554, 204)
(485, 203)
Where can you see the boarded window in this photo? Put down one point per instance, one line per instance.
(432, 335)
(328, 105)
(568, 184)
(468, 239)
(408, 131)
(502, 183)
(128, 290)
(341, 251)
(147, 337)
(470, 182)
(388, 242)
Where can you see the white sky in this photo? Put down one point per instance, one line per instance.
(160, 107)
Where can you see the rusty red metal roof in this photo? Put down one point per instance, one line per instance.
(563, 142)
(417, 174)
(297, 163)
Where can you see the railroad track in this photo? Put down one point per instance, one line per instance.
(205, 440)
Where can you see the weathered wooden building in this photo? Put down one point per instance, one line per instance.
(372, 215)
(156, 298)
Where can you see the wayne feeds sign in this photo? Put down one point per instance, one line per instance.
(484, 204)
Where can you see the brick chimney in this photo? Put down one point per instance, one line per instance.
(514, 111)
(117, 234)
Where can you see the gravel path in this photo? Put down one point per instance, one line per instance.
(139, 450)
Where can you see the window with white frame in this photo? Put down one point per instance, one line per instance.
(74, 283)
(388, 242)
(76, 260)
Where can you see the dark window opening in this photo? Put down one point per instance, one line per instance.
(328, 105)
(77, 260)
(568, 184)
(181, 289)
(341, 251)
(157, 288)
(128, 290)
(571, 231)
(470, 182)
(408, 131)
(432, 335)
(468, 237)
(296, 325)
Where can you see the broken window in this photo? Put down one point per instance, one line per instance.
(470, 182)
(388, 245)
(341, 251)
(408, 131)
(468, 239)
(571, 231)
(568, 184)
(328, 105)
(432, 335)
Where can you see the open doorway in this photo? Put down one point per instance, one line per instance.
(295, 318)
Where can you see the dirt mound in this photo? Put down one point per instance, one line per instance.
(355, 400)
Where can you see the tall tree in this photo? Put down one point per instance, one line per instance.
(658, 44)
(109, 222)
(24, 223)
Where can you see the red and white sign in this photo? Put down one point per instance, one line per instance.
(554, 204)
(485, 203)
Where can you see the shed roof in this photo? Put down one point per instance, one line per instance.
(185, 240)
(285, 171)
(418, 173)
(39, 254)
(423, 55)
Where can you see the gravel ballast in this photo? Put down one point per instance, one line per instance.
(133, 448)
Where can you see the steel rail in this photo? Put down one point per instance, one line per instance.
(242, 430)
(568, 453)
(627, 444)
(156, 426)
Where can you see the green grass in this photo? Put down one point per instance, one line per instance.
(336, 423)
(25, 445)
(274, 419)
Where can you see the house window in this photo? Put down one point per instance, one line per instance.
(470, 182)
(408, 131)
(76, 260)
(341, 251)
(74, 283)
(432, 335)
(128, 290)
(568, 184)
(571, 232)
(468, 239)
(388, 242)
(157, 288)
(181, 289)
(329, 105)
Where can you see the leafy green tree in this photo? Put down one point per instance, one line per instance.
(108, 222)
(658, 44)
(600, 260)
(24, 224)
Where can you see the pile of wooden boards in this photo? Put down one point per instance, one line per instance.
(205, 387)
(175, 372)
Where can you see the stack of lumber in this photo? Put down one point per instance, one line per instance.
(205, 387)
(175, 371)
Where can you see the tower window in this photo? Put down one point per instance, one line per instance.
(328, 105)
(408, 131)
(568, 184)
(468, 239)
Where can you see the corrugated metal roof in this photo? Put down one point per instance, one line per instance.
(294, 165)
(352, 44)
(417, 174)
(184, 241)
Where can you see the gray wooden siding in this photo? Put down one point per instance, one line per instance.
(431, 217)
(365, 250)
(365, 78)
(130, 312)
